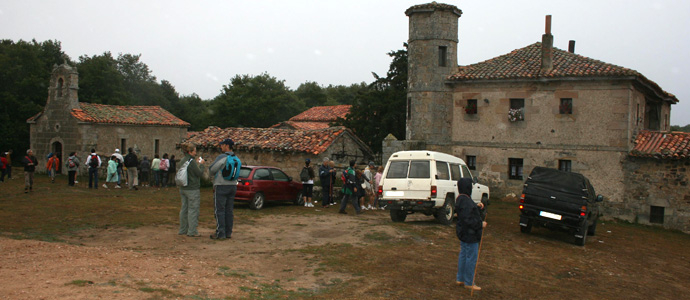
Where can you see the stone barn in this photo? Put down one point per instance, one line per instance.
(66, 125)
(284, 148)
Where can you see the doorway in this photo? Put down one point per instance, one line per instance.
(56, 148)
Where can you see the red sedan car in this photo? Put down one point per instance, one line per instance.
(258, 184)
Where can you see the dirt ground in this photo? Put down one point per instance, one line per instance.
(326, 255)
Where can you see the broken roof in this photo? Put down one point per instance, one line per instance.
(525, 63)
(287, 140)
(673, 145)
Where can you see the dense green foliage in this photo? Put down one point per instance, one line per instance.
(685, 128)
(246, 101)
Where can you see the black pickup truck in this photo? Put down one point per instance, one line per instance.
(559, 200)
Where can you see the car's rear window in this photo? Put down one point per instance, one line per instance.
(416, 168)
(398, 169)
(420, 169)
(244, 172)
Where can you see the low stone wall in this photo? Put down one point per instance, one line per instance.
(659, 183)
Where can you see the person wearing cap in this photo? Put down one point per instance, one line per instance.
(327, 177)
(223, 192)
(191, 194)
(307, 178)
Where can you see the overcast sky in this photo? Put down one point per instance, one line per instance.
(199, 45)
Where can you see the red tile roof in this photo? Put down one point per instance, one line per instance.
(288, 140)
(323, 114)
(135, 115)
(525, 63)
(674, 145)
(301, 125)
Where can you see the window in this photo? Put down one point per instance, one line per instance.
(455, 172)
(442, 56)
(515, 168)
(123, 145)
(244, 172)
(398, 169)
(466, 172)
(278, 175)
(517, 110)
(156, 146)
(442, 170)
(566, 107)
(564, 165)
(59, 87)
(471, 161)
(420, 169)
(471, 108)
(262, 174)
(656, 214)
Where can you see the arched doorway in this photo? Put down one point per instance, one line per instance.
(56, 148)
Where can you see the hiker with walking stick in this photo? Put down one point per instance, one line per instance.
(469, 231)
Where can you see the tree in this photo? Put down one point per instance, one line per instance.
(259, 101)
(25, 69)
(100, 81)
(195, 111)
(311, 94)
(380, 109)
(340, 94)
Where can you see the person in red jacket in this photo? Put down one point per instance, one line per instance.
(52, 166)
(3, 166)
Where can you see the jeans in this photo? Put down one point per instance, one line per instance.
(189, 213)
(352, 199)
(467, 261)
(119, 176)
(224, 199)
(164, 178)
(93, 177)
(156, 177)
(71, 175)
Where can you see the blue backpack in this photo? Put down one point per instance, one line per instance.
(231, 171)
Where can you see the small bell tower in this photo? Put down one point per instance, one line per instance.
(64, 87)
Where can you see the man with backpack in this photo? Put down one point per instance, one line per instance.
(350, 189)
(94, 162)
(307, 178)
(72, 166)
(131, 164)
(224, 170)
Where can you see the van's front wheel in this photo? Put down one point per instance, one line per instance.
(398, 215)
(445, 214)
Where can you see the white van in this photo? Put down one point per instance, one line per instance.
(427, 182)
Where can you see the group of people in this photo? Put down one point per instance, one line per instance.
(224, 190)
(359, 187)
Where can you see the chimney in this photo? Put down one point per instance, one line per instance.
(571, 46)
(547, 47)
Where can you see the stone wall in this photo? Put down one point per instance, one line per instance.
(653, 182)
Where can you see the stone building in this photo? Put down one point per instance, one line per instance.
(284, 148)
(66, 125)
(318, 117)
(535, 106)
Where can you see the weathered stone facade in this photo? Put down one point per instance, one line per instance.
(659, 183)
(57, 130)
(464, 110)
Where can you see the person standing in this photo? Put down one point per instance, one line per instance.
(155, 169)
(30, 163)
(377, 182)
(131, 163)
(368, 176)
(94, 162)
(224, 191)
(113, 175)
(3, 166)
(172, 169)
(190, 194)
(469, 231)
(326, 175)
(120, 161)
(307, 178)
(350, 190)
(145, 169)
(72, 165)
(8, 156)
(52, 166)
(164, 165)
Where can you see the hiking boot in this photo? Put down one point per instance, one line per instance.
(215, 237)
(342, 212)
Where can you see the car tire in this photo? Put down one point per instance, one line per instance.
(445, 214)
(398, 215)
(257, 202)
(299, 200)
(583, 240)
(592, 228)
(526, 229)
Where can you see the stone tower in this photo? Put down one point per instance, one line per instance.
(64, 85)
(432, 57)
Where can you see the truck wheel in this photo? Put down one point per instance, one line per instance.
(592, 228)
(526, 229)
(445, 214)
(398, 215)
(581, 241)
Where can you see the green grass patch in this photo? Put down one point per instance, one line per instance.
(80, 282)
